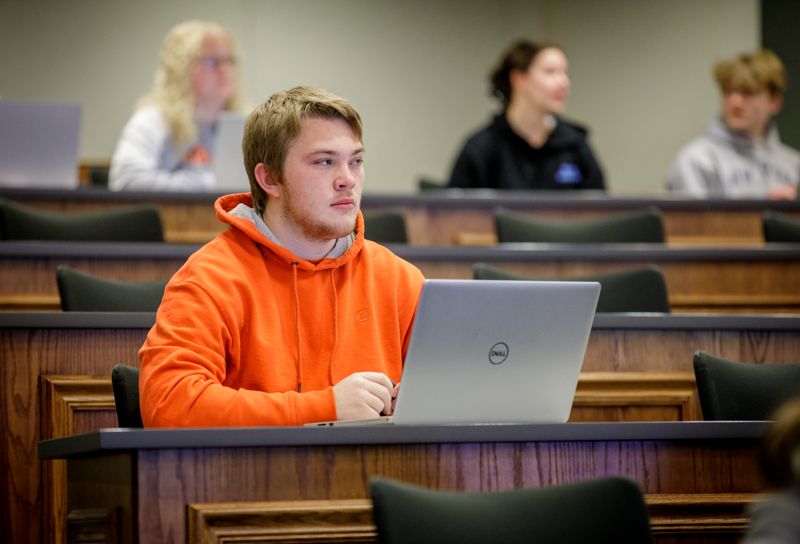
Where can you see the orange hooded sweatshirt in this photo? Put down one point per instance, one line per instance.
(248, 334)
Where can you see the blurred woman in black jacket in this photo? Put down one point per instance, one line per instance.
(528, 146)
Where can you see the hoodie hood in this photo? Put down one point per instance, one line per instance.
(718, 131)
(241, 225)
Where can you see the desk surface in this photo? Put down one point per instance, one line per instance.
(108, 440)
(446, 198)
(500, 252)
(623, 321)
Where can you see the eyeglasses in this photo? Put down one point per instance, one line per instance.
(212, 63)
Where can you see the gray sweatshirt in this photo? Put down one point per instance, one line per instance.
(726, 164)
(146, 159)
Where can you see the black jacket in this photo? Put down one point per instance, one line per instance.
(497, 158)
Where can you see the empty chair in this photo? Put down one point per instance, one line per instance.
(632, 290)
(641, 226)
(610, 510)
(82, 292)
(780, 227)
(425, 184)
(125, 382)
(733, 391)
(385, 227)
(139, 223)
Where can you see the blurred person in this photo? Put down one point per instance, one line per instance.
(741, 155)
(528, 145)
(168, 143)
(290, 316)
(777, 520)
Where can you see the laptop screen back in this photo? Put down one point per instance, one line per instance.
(228, 157)
(39, 144)
(496, 351)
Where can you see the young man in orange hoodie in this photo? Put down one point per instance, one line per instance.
(290, 316)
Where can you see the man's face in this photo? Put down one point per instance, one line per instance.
(323, 176)
(749, 113)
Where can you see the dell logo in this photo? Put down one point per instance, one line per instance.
(498, 353)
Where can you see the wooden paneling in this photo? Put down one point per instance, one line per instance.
(744, 286)
(673, 518)
(625, 396)
(92, 349)
(70, 405)
(27, 354)
(443, 217)
(181, 477)
(709, 279)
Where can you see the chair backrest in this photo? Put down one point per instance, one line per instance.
(638, 226)
(139, 223)
(733, 391)
(780, 227)
(632, 290)
(609, 510)
(125, 382)
(426, 184)
(82, 292)
(385, 227)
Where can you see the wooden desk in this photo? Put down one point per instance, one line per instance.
(710, 279)
(440, 217)
(55, 370)
(145, 481)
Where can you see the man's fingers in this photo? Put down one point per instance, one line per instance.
(379, 397)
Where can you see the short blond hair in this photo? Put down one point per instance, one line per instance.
(780, 444)
(273, 125)
(172, 88)
(752, 72)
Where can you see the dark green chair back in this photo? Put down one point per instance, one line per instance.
(82, 292)
(385, 227)
(733, 391)
(125, 382)
(780, 227)
(640, 226)
(425, 184)
(632, 290)
(610, 510)
(139, 223)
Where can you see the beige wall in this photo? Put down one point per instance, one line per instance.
(416, 69)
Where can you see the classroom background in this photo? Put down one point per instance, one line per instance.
(641, 71)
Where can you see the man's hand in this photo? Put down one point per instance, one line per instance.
(363, 395)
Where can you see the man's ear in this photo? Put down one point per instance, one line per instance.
(267, 181)
(775, 104)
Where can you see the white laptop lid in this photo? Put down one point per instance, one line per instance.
(39, 144)
(228, 161)
(496, 351)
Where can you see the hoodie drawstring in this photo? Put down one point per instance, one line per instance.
(335, 325)
(297, 322)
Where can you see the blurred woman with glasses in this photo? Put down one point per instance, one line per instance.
(167, 145)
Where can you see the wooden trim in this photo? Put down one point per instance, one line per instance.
(643, 389)
(676, 515)
(61, 398)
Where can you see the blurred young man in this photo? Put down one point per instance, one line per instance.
(290, 316)
(741, 156)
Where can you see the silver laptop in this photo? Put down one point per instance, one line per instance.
(39, 144)
(494, 352)
(228, 163)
